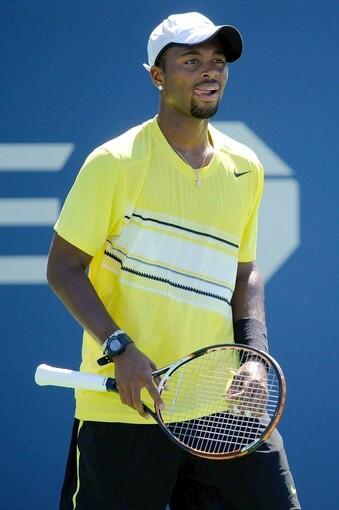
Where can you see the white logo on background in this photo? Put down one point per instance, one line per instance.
(29, 212)
(279, 230)
(279, 234)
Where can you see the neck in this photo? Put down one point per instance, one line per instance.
(186, 134)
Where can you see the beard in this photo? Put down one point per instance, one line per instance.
(203, 113)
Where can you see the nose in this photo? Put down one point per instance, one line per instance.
(210, 71)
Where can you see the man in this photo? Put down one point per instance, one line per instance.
(165, 217)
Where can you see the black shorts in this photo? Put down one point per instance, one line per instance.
(115, 466)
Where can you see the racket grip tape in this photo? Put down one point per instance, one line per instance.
(46, 375)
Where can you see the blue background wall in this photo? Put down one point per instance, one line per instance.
(71, 72)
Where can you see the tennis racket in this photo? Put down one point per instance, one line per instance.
(221, 401)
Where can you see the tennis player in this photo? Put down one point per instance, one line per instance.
(164, 218)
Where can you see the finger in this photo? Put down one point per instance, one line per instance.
(155, 395)
(243, 403)
(234, 397)
(249, 404)
(239, 410)
(255, 398)
(234, 402)
(257, 393)
(137, 403)
(236, 387)
(235, 409)
(236, 384)
(125, 395)
(157, 380)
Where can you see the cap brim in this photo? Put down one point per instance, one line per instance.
(231, 40)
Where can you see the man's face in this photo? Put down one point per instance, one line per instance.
(195, 78)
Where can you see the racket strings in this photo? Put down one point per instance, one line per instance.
(208, 407)
(210, 431)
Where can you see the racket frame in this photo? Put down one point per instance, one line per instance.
(109, 384)
(167, 371)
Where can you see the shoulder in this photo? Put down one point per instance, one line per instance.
(99, 164)
(240, 152)
(131, 145)
(109, 158)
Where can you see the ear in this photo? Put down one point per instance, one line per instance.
(157, 77)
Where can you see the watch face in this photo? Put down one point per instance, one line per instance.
(114, 345)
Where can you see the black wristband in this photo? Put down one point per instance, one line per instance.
(251, 332)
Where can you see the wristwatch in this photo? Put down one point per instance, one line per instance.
(116, 344)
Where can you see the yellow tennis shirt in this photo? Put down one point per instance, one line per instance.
(165, 251)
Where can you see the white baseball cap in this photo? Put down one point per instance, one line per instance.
(192, 28)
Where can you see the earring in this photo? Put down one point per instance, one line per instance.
(160, 87)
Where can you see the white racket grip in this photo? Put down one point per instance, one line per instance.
(46, 375)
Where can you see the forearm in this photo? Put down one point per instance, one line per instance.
(248, 308)
(248, 297)
(75, 290)
(67, 277)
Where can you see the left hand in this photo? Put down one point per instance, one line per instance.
(248, 391)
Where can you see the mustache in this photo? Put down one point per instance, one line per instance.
(208, 82)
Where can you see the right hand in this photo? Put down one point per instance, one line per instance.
(133, 371)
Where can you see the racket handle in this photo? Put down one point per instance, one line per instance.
(46, 375)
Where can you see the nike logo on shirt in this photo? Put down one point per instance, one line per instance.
(241, 173)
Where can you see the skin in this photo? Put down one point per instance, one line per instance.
(187, 74)
(188, 68)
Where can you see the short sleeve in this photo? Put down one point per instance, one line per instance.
(248, 245)
(94, 208)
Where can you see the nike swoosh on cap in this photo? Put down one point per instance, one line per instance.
(241, 173)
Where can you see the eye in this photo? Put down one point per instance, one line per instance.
(192, 61)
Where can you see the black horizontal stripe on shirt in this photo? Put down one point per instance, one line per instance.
(159, 266)
(186, 229)
(165, 280)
